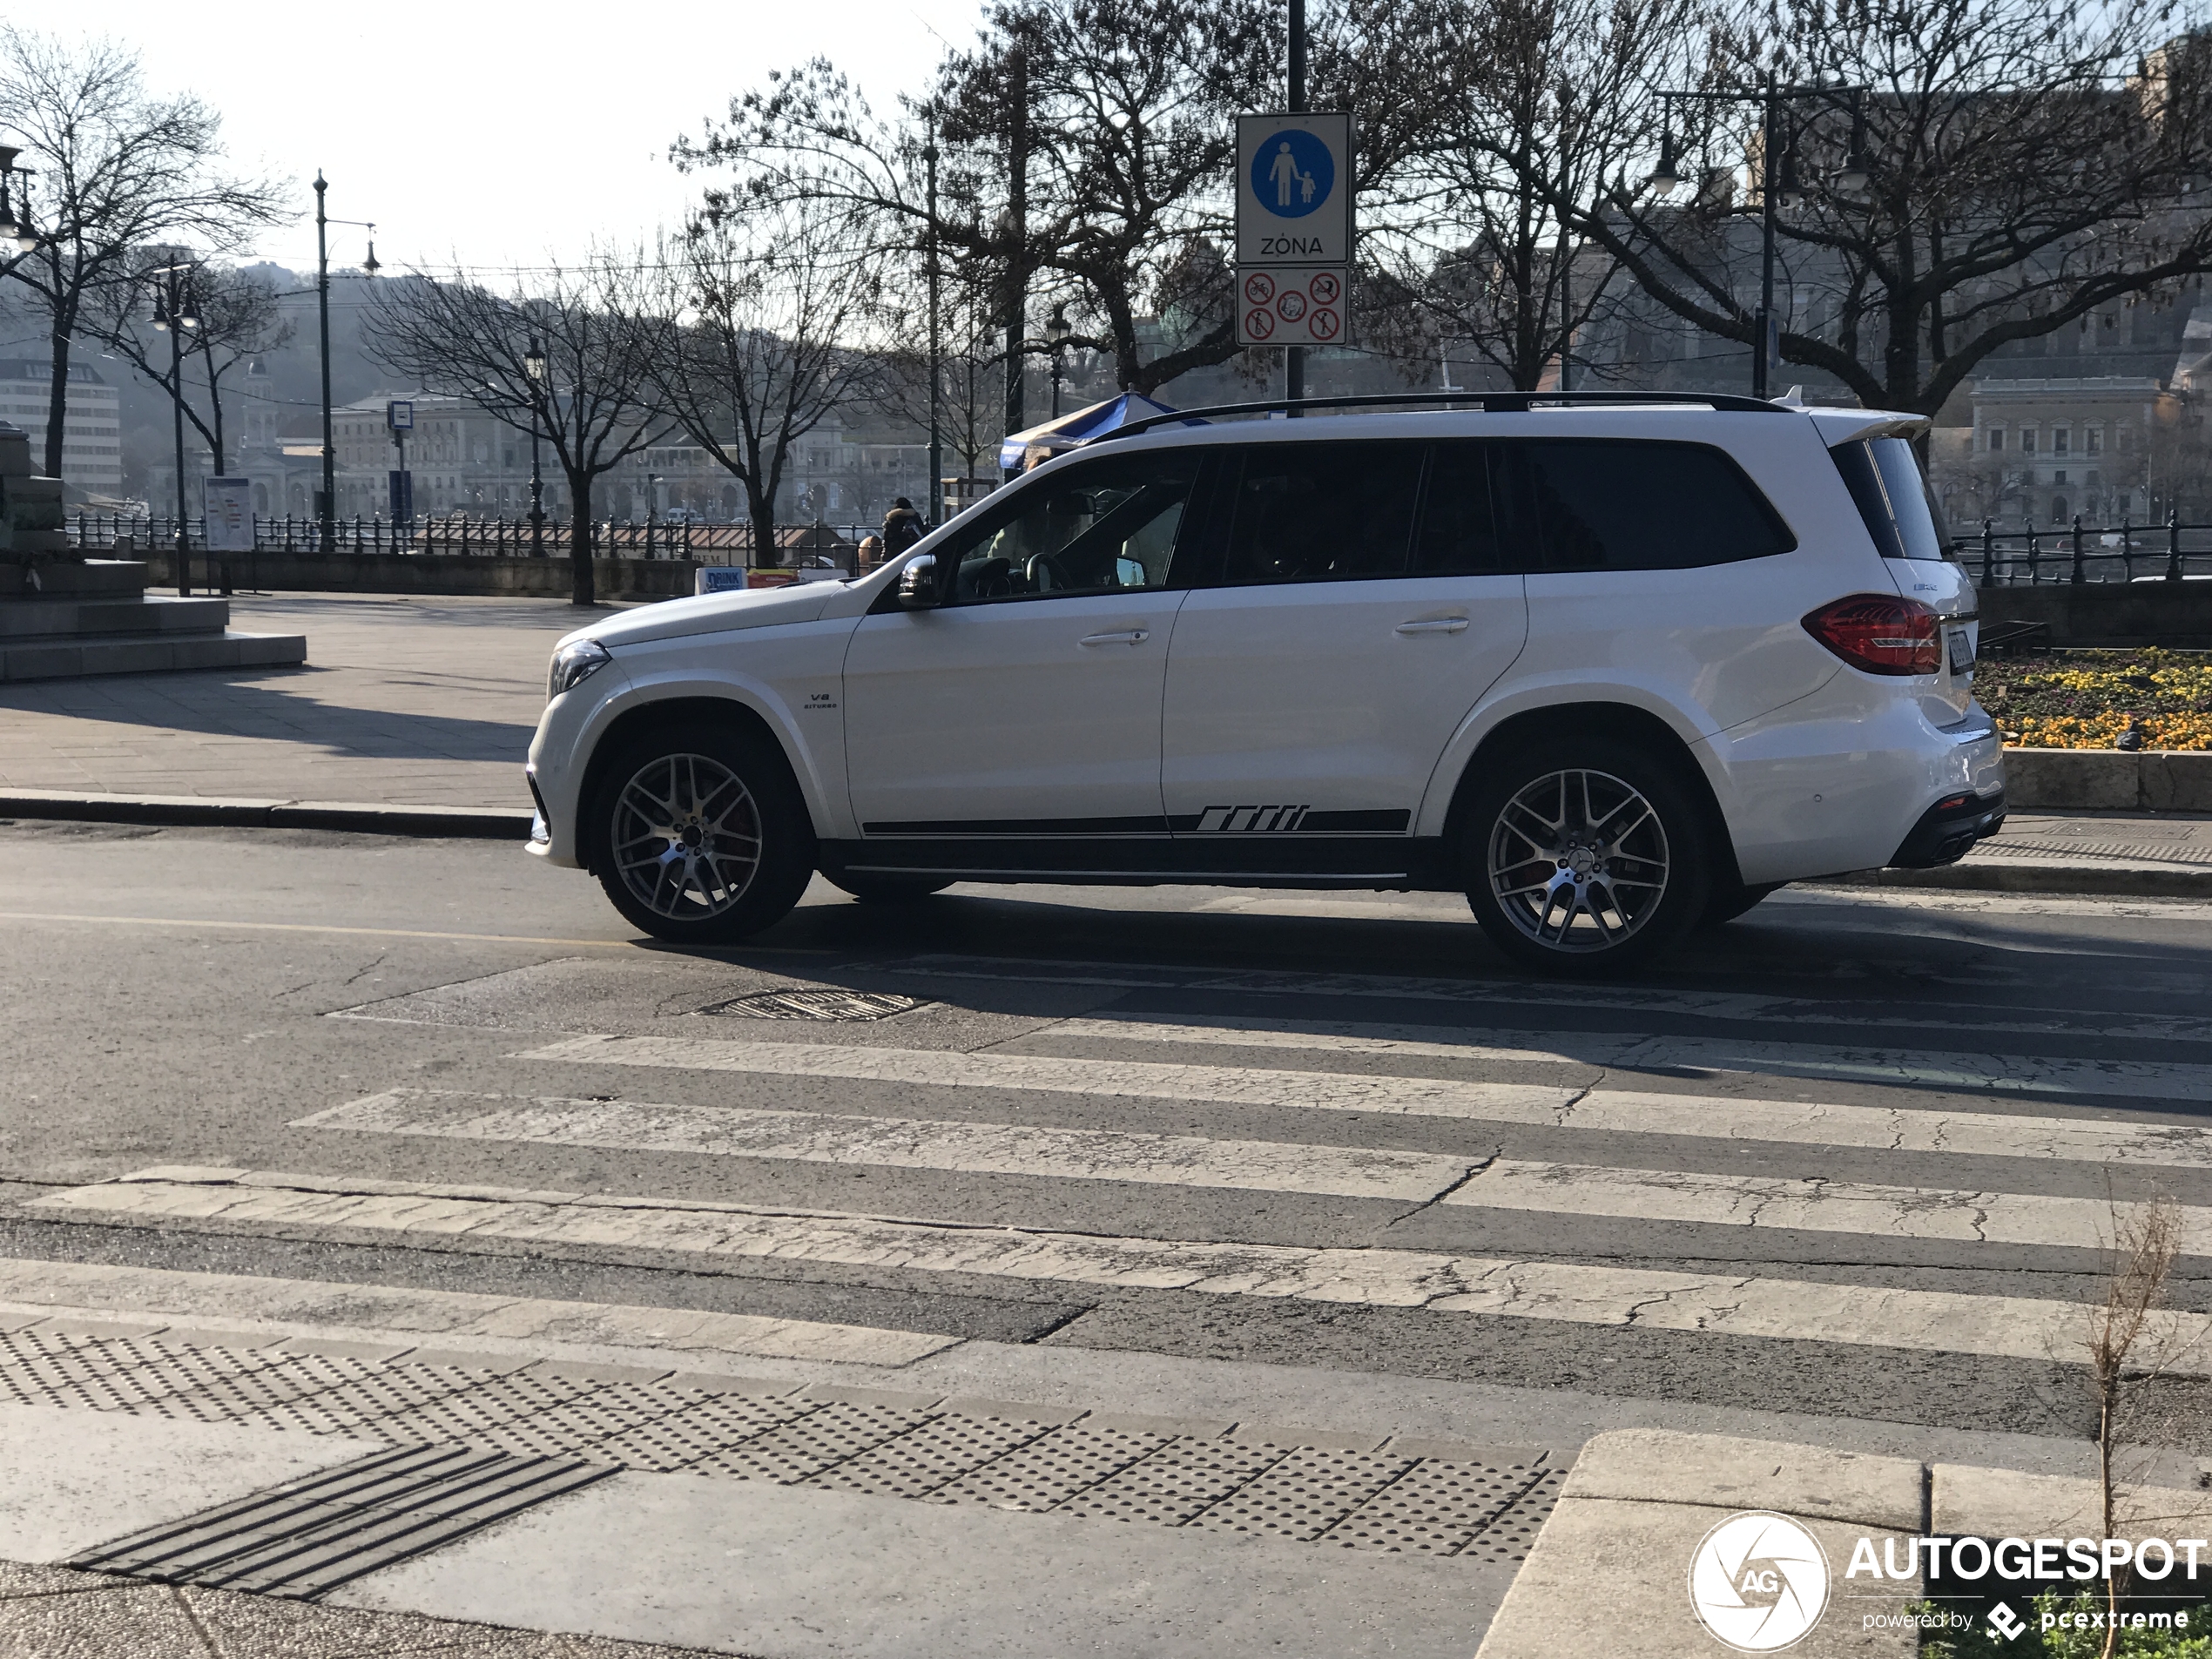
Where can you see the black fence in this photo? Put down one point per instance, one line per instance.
(457, 534)
(2171, 552)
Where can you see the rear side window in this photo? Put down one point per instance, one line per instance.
(1884, 476)
(1459, 533)
(1321, 512)
(1618, 504)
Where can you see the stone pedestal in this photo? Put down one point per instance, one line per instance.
(69, 618)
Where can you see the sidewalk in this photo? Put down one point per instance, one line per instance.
(219, 1465)
(431, 703)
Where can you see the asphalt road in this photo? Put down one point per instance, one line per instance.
(1218, 1124)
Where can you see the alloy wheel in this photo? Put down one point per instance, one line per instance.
(1578, 862)
(687, 837)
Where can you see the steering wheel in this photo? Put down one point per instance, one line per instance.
(1045, 573)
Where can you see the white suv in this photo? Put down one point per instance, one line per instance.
(1612, 668)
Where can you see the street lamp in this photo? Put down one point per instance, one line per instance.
(13, 228)
(327, 498)
(1777, 182)
(652, 508)
(1056, 331)
(534, 366)
(176, 312)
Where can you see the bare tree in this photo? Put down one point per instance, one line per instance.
(1087, 143)
(757, 340)
(971, 398)
(595, 402)
(238, 320)
(118, 169)
(1534, 103)
(2023, 167)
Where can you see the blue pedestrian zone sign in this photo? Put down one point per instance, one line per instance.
(1293, 190)
(1293, 174)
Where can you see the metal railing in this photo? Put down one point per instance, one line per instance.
(463, 535)
(2172, 551)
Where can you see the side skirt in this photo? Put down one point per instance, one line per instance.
(1386, 863)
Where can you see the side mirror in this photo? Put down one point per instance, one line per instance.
(918, 583)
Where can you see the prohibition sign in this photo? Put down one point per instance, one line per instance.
(1290, 305)
(1259, 288)
(1322, 325)
(1324, 288)
(1259, 322)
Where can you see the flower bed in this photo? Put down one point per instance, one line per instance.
(2101, 699)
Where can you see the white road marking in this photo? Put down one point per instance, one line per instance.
(907, 1144)
(1998, 1074)
(273, 1307)
(1816, 1205)
(1136, 1079)
(1943, 1322)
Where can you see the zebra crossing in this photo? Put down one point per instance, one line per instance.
(1206, 1101)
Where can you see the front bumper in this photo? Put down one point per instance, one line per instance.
(1948, 830)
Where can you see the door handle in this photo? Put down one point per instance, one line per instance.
(1130, 636)
(1437, 625)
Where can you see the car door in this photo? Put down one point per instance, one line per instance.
(1313, 684)
(1028, 702)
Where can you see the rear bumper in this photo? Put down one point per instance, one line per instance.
(1948, 830)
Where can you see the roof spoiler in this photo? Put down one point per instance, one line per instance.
(1485, 402)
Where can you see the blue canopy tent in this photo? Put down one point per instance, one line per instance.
(1071, 431)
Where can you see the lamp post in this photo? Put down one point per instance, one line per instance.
(935, 496)
(1776, 181)
(327, 498)
(534, 366)
(1056, 331)
(16, 227)
(175, 312)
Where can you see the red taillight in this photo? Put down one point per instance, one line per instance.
(1881, 634)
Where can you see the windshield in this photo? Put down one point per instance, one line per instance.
(1883, 476)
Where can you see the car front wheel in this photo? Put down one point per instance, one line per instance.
(706, 839)
(1585, 856)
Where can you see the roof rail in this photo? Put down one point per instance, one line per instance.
(1488, 402)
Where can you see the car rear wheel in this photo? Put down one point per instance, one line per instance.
(888, 889)
(706, 839)
(1585, 856)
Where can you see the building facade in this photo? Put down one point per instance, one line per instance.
(92, 429)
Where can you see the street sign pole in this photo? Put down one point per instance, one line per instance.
(1294, 356)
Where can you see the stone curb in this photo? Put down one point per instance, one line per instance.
(2096, 880)
(2149, 780)
(368, 817)
(1639, 1501)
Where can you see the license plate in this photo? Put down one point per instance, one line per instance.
(1962, 652)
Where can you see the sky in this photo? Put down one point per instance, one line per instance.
(496, 135)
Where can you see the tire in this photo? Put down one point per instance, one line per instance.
(888, 889)
(1556, 898)
(1732, 898)
(704, 838)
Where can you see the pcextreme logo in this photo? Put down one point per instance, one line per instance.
(1758, 1582)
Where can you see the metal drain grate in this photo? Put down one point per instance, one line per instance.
(817, 1005)
(308, 1536)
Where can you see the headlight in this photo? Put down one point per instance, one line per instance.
(573, 665)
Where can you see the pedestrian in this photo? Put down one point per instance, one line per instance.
(903, 528)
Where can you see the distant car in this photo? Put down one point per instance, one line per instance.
(1612, 672)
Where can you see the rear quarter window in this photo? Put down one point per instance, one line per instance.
(1624, 504)
(1885, 480)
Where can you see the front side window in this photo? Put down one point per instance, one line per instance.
(1323, 512)
(1106, 526)
(1621, 504)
